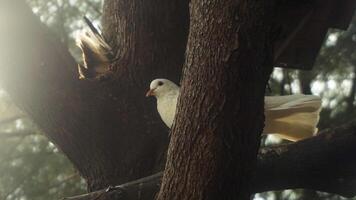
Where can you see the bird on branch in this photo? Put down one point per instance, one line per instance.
(96, 52)
(291, 117)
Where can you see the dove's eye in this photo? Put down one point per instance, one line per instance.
(160, 83)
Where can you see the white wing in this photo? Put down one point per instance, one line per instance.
(166, 107)
(292, 117)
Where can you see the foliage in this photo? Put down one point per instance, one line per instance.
(33, 168)
(332, 78)
(65, 17)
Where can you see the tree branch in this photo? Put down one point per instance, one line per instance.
(11, 119)
(325, 163)
(16, 134)
(144, 188)
(41, 77)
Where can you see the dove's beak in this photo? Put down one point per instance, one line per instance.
(150, 92)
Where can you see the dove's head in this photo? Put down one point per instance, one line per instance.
(160, 87)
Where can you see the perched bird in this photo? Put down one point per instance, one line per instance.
(291, 117)
(97, 54)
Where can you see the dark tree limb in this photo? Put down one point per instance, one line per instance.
(90, 122)
(324, 163)
(109, 131)
(144, 188)
(302, 27)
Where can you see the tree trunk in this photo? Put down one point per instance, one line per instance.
(110, 131)
(112, 134)
(283, 82)
(305, 79)
(216, 135)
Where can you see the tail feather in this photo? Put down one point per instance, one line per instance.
(97, 53)
(95, 50)
(292, 117)
(91, 26)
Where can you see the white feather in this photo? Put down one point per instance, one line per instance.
(95, 43)
(167, 108)
(291, 117)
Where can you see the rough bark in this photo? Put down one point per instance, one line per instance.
(150, 40)
(215, 137)
(109, 131)
(324, 163)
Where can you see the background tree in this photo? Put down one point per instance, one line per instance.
(52, 89)
(31, 167)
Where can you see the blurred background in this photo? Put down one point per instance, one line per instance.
(32, 168)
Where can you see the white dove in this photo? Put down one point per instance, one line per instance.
(291, 117)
